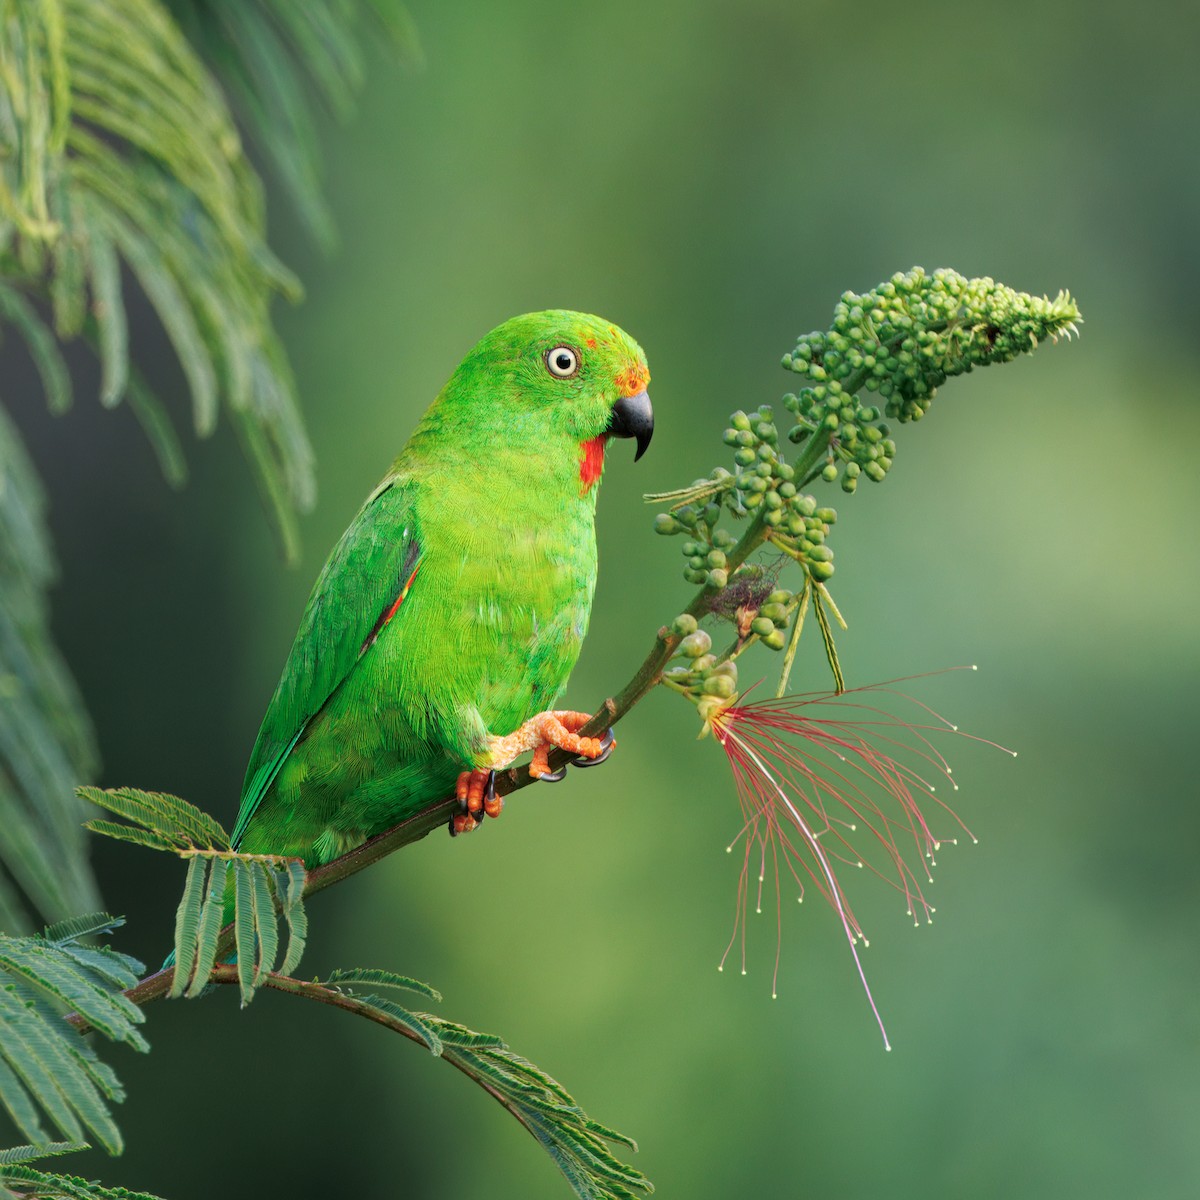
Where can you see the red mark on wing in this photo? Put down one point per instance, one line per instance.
(389, 613)
(591, 462)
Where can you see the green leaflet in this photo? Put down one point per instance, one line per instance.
(265, 921)
(56, 380)
(291, 893)
(244, 927)
(372, 975)
(25, 1154)
(158, 430)
(209, 927)
(45, 1066)
(187, 925)
(162, 818)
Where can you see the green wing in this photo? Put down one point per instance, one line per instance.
(356, 594)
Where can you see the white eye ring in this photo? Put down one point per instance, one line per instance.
(562, 361)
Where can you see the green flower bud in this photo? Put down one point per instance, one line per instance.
(694, 576)
(739, 420)
(718, 577)
(715, 558)
(704, 664)
(828, 515)
(821, 570)
(780, 596)
(666, 524)
(745, 457)
(719, 685)
(775, 640)
(829, 472)
(684, 624)
(763, 626)
(710, 706)
(775, 613)
(696, 644)
(728, 667)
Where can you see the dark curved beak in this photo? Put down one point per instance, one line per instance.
(632, 417)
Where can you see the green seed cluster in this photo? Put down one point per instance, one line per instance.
(707, 545)
(774, 616)
(761, 479)
(701, 673)
(902, 340)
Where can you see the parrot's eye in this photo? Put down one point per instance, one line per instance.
(562, 361)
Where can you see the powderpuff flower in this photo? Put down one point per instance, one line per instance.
(819, 775)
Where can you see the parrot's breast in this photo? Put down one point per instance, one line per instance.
(500, 614)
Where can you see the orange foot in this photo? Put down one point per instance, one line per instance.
(476, 792)
(549, 730)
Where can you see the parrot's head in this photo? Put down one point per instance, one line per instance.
(554, 382)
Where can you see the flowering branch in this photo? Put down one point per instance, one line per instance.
(900, 341)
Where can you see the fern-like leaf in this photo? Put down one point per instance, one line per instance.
(275, 56)
(26, 1154)
(46, 740)
(257, 893)
(209, 928)
(116, 143)
(19, 1180)
(157, 819)
(290, 884)
(45, 1066)
(578, 1145)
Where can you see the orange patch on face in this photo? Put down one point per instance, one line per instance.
(633, 379)
(591, 343)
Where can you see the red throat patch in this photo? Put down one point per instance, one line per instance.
(591, 462)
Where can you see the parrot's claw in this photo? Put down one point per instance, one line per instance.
(553, 776)
(476, 792)
(607, 742)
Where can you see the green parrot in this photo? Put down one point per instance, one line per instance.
(448, 617)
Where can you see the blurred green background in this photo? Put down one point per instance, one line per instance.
(711, 177)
